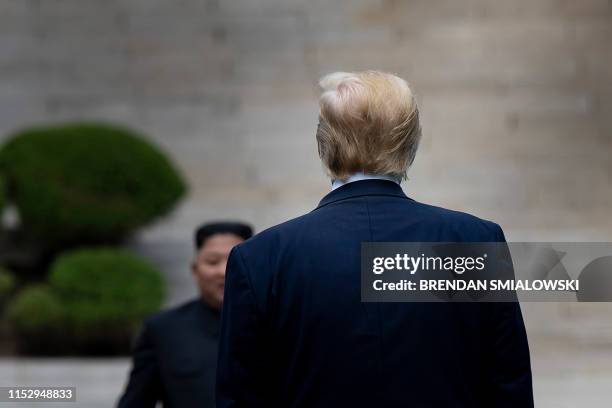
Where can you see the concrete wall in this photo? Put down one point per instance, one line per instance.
(516, 102)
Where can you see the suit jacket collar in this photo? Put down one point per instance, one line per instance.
(363, 188)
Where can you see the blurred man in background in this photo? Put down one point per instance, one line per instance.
(175, 355)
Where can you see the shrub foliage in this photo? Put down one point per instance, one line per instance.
(87, 182)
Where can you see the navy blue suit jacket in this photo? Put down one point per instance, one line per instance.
(294, 332)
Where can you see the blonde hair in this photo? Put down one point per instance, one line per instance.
(368, 122)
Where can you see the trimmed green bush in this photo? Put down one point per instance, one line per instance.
(87, 182)
(7, 283)
(93, 304)
(106, 289)
(35, 309)
(2, 193)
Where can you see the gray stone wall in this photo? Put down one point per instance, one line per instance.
(516, 101)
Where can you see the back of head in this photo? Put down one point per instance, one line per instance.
(368, 122)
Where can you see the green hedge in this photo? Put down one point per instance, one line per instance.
(2, 193)
(7, 283)
(93, 304)
(106, 288)
(87, 182)
(36, 309)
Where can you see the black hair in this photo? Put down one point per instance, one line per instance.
(207, 230)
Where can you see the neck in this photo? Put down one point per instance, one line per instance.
(362, 176)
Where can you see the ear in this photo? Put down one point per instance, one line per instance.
(194, 268)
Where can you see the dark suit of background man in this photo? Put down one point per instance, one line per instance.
(294, 332)
(175, 356)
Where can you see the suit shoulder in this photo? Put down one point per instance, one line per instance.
(273, 236)
(481, 228)
(454, 215)
(161, 320)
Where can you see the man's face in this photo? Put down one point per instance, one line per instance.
(209, 267)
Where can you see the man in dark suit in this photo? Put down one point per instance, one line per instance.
(175, 356)
(294, 331)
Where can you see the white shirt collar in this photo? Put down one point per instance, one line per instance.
(362, 176)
